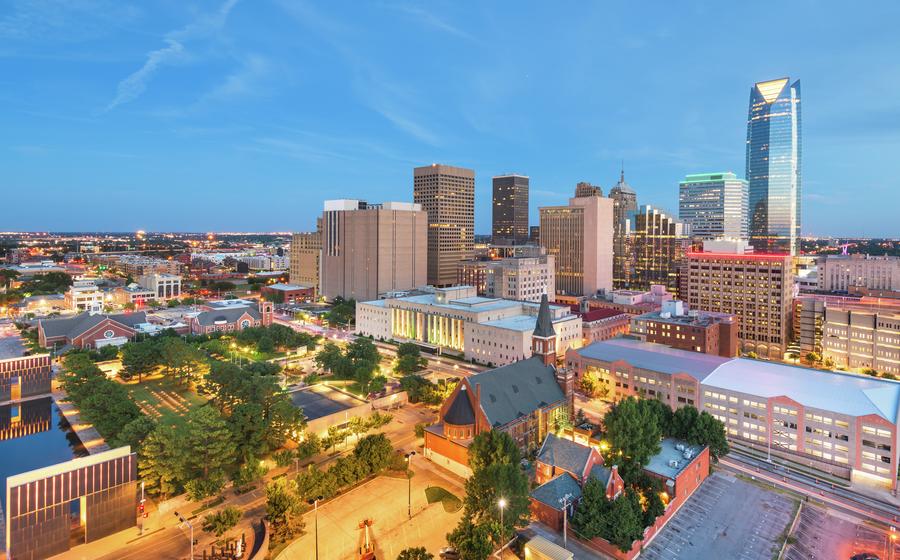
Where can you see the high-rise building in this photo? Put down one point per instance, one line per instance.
(656, 246)
(447, 194)
(372, 249)
(580, 237)
(510, 209)
(773, 166)
(524, 278)
(756, 288)
(624, 205)
(714, 205)
(305, 254)
(586, 189)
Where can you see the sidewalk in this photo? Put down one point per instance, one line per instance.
(88, 435)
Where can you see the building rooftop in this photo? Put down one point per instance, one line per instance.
(654, 357)
(516, 390)
(843, 393)
(600, 313)
(288, 287)
(74, 326)
(565, 454)
(552, 491)
(691, 318)
(674, 456)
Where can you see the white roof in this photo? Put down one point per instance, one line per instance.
(843, 393)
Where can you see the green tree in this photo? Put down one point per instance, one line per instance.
(265, 345)
(209, 440)
(655, 506)
(662, 412)
(284, 510)
(710, 431)
(250, 472)
(415, 553)
(813, 357)
(248, 430)
(161, 462)
(7, 275)
(314, 482)
(140, 358)
(683, 422)
(591, 517)
(487, 486)
(375, 452)
(222, 521)
(628, 525)
(180, 358)
(330, 357)
(135, 432)
(632, 429)
(870, 371)
(409, 359)
(473, 541)
(491, 448)
(310, 446)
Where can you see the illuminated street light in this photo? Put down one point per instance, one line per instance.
(501, 503)
(315, 503)
(409, 485)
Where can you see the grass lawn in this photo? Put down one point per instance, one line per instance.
(163, 400)
(437, 494)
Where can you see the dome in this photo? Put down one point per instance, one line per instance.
(621, 186)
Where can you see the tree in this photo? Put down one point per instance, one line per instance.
(140, 358)
(313, 482)
(662, 412)
(329, 357)
(179, 357)
(813, 357)
(251, 471)
(161, 462)
(375, 452)
(222, 521)
(284, 510)
(628, 519)
(870, 371)
(710, 431)
(415, 553)
(7, 275)
(248, 429)
(265, 345)
(493, 447)
(472, 541)
(655, 505)
(828, 362)
(795, 356)
(208, 440)
(633, 430)
(135, 432)
(310, 445)
(409, 359)
(487, 486)
(683, 421)
(591, 518)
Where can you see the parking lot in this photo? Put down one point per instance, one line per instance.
(11, 345)
(726, 518)
(319, 401)
(820, 534)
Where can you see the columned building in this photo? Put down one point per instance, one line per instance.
(773, 161)
(447, 195)
(510, 209)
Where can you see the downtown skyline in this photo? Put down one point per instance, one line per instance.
(198, 111)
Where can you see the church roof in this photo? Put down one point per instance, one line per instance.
(544, 326)
(516, 390)
(460, 412)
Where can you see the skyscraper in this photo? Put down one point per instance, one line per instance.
(624, 204)
(580, 237)
(714, 205)
(656, 248)
(447, 194)
(305, 252)
(510, 209)
(773, 166)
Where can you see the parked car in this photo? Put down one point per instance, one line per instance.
(864, 556)
(449, 553)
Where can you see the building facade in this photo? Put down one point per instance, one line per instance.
(521, 278)
(657, 245)
(80, 501)
(485, 330)
(84, 295)
(231, 316)
(842, 423)
(758, 289)
(714, 205)
(843, 273)
(23, 377)
(89, 330)
(510, 209)
(580, 238)
(288, 293)
(697, 331)
(164, 286)
(773, 166)
(447, 195)
(603, 324)
(371, 249)
(863, 336)
(624, 205)
(306, 249)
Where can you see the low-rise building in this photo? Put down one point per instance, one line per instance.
(133, 294)
(84, 295)
(231, 316)
(698, 331)
(842, 423)
(863, 335)
(603, 324)
(164, 286)
(288, 293)
(89, 330)
(486, 330)
(841, 273)
(518, 278)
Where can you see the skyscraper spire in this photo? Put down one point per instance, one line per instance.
(622, 174)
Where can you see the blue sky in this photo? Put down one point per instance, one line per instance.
(245, 115)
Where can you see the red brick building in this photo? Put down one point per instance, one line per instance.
(89, 330)
(698, 331)
(231, 316)
(603, 324)
(288, 293)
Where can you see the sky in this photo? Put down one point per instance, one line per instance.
(244, 115)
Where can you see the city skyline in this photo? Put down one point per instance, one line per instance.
(198, 110)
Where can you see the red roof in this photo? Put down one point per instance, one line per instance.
(600, 313)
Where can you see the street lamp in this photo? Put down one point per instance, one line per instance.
(188, 523)
(501, 503)
(315, 503)
(409, 486)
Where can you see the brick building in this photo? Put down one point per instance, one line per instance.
(698, 331)
(232, 315)
(288, 293)
(89, 330)
(603, 324)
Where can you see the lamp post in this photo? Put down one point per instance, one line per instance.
(409, 485)
(315, 503)
(501, 503)
(565, 501)
(188, 523)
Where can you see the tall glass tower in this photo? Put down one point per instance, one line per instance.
(773, 166)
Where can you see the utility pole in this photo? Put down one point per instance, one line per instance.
(315, 503)
(565, 501)
(188, 523)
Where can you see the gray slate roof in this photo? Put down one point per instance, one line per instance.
(553, 490)
(516, 390)
(460, 412)
(654, 357)
(601, 473)
(544, 325)
(209, 318)
(565, 454)
(73, 326)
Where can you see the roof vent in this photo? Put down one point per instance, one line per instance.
(538, 380)
(673, 463)
(687, 454)
(679, 446)
(515, 388)
(492, 397)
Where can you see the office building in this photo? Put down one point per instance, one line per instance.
(657, 245)
(53, 508)
(844, 424)
(164, 286)
(288, 293)
(756, 288)
(584, 188)
(863, 335)
(714, 205)
(516, 278)
(304, 262)
(603, 324)
(85, 295)
(773, 172)
(510, 209)
(844, 273)
(132, 294)
(485, 330)
(624, 205)
(698, 331)
(534, 235)
(447, 195)
(371, 249)
(580, 238)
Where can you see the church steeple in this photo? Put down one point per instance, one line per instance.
(543, 340)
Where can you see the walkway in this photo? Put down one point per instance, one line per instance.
(85, 431)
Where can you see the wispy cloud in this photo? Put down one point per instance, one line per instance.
(204, 27)
(431, 19)
(242, 81)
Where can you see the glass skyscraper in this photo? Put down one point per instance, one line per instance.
(714, 205)
(773, 166)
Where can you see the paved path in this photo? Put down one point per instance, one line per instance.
(86, 432)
